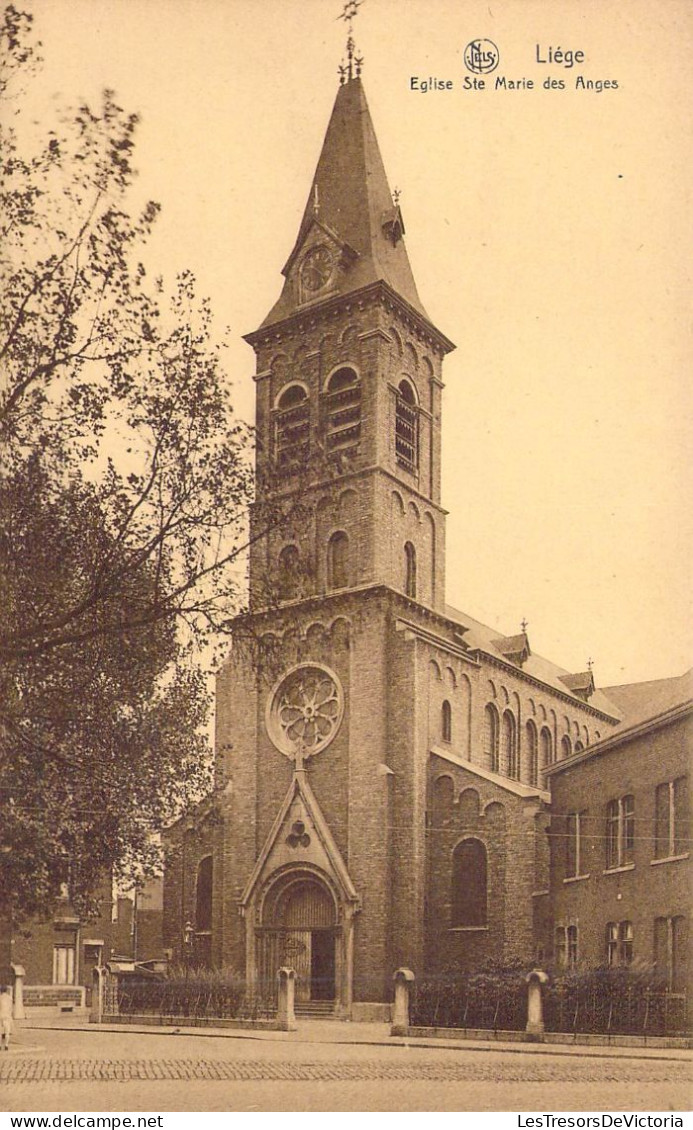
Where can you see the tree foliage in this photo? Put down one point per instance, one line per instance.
(124, 488)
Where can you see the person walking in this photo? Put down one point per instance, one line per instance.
(5, 1016)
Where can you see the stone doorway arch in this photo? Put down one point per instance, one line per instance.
(299, 926)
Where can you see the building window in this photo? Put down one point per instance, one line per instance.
(410, 570)
(579, 747)
(575, 827)
(469, 883)
(545, 749)
(407, 427)
(446, 721)
(491, 728)
(532, 754)
(671, 952)
(342, 408)
(292, 427)
(64, 965)
(672, 818)
(338, 561)
(620, 832)
(509, 761)
(566, 946)
(203, 895)
(566, 747)
(289, 572)
(619, 943)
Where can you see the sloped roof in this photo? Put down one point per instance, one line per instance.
(480, 637)
(353, 201)
(639, 701)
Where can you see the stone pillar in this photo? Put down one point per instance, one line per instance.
(18, 973)
(96, 1014)
(285, 1003)
(535, 1005)
(404, 982)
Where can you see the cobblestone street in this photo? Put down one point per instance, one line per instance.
(326, 1067)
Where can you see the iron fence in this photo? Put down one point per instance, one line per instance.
(481, 1002)
(193, 998)
(627, 1010)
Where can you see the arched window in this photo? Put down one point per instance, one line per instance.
(545, 749)
(338, 561)
(410, 570)
(566, 747)
(532, 754)
(292, 427)
(491, 728)
(288, 572)
(469, 884)
(579, 747)
(342, 407)
(407, 427)
(203, 895)
(509, 760)
(446, 721)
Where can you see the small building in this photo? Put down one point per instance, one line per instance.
(620, 862)
(59, 953)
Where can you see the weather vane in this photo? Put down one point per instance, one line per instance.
(352, 67)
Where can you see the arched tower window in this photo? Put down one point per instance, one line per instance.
(491, 729)
(446, 721)
(338, 561)
(469, 896)
(288, 572)
(342, 406)
(407, 427)
(510, 758)
(292, 427)
(410, 570)
(532, 754)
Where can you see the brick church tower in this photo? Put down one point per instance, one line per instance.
(379, 797)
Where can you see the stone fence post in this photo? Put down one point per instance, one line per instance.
(404, 982)
(98, 975)
(535, 1004)
(18, 974)
(285, 1003)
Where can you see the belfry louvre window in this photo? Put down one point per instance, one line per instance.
(342, 411)
(672, 818)
(292, 427)
(407, 427)
(620, 832)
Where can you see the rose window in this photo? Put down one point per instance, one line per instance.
(305, 710)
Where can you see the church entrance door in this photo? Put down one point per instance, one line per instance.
(300, 932)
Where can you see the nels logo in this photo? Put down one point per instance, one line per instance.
(481, 56)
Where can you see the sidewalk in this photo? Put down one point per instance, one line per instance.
(349, 1033)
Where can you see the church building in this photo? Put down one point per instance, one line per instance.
(380, 794)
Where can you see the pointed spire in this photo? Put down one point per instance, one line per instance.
(356, 212)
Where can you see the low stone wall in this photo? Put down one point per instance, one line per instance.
(579, 1039)
(148, 1020)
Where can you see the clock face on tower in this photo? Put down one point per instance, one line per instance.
(316, 268)
(305, 710)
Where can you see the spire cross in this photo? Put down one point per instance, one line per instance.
(590, 664)
(354, 62)
(397, 192)
(524, 625)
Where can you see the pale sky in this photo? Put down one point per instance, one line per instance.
(550, 237)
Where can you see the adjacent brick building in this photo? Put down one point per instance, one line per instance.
(380, 795)
(621, 868)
